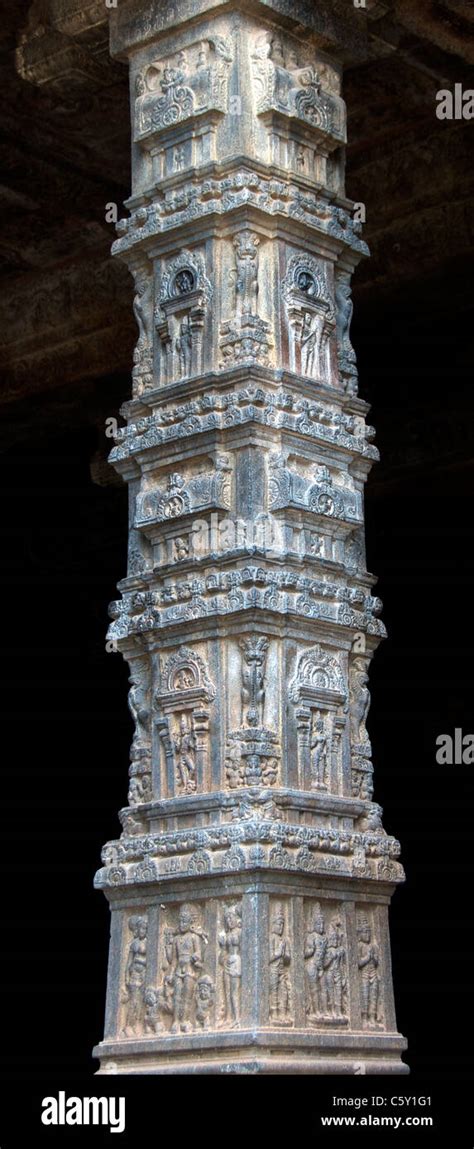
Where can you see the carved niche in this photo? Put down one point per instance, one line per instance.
(182, 702)
(253, 752)
(310, 315)
(175, 89)
(245, 337)
(318, 690)
(183, 297)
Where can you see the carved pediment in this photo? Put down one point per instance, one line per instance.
(288, 488)
(318, 680)
(292, 88)
(177, 88)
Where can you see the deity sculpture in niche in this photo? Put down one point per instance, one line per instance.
(246, 335)
(279, 985)
(185, 747)
(320, 753)
(135, 976)
(184, 952)
(230, 944)
(369, 973)
(319, 689)
(310, 315)
(183, 719)
(183, 297)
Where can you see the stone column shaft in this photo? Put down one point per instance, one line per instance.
(246, 614)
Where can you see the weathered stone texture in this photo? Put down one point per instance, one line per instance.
(249, 888)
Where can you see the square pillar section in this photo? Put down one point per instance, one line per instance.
(250, 884)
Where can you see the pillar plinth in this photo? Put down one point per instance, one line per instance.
(250, 884)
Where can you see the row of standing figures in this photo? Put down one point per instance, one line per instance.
(187, 995)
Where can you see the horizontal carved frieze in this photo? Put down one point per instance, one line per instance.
(218, 411)
(187, 201)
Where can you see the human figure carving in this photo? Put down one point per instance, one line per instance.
(184, 954)
(319, 754)
(230, 940)
(185, 746)
(335, 969)
(135, 975)
(184, 347)
(205, 994)
(360, 701)
(369, 962)
(138, 703)
(143, 310)
(245, 275)
(315, 953)
(309, 344)
(280, 961)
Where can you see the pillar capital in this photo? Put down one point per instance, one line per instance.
(335, 26)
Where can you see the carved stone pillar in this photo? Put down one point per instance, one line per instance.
(251, 880)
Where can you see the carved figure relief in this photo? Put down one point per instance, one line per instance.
(246, 335)
(184, 953)
(310, 316)
(175, 88)
(182, 703)
(326, 973)
(254, 652)
(345, 352)
(360, 705)
(319, 691)
(279, 986)
(369, 974)
(139, 702)
(230, 943)
(143, 312)
(135, 976)
(320, 753)
(185, 747)
(183, 298)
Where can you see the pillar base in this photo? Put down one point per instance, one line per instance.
(264, 1052)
